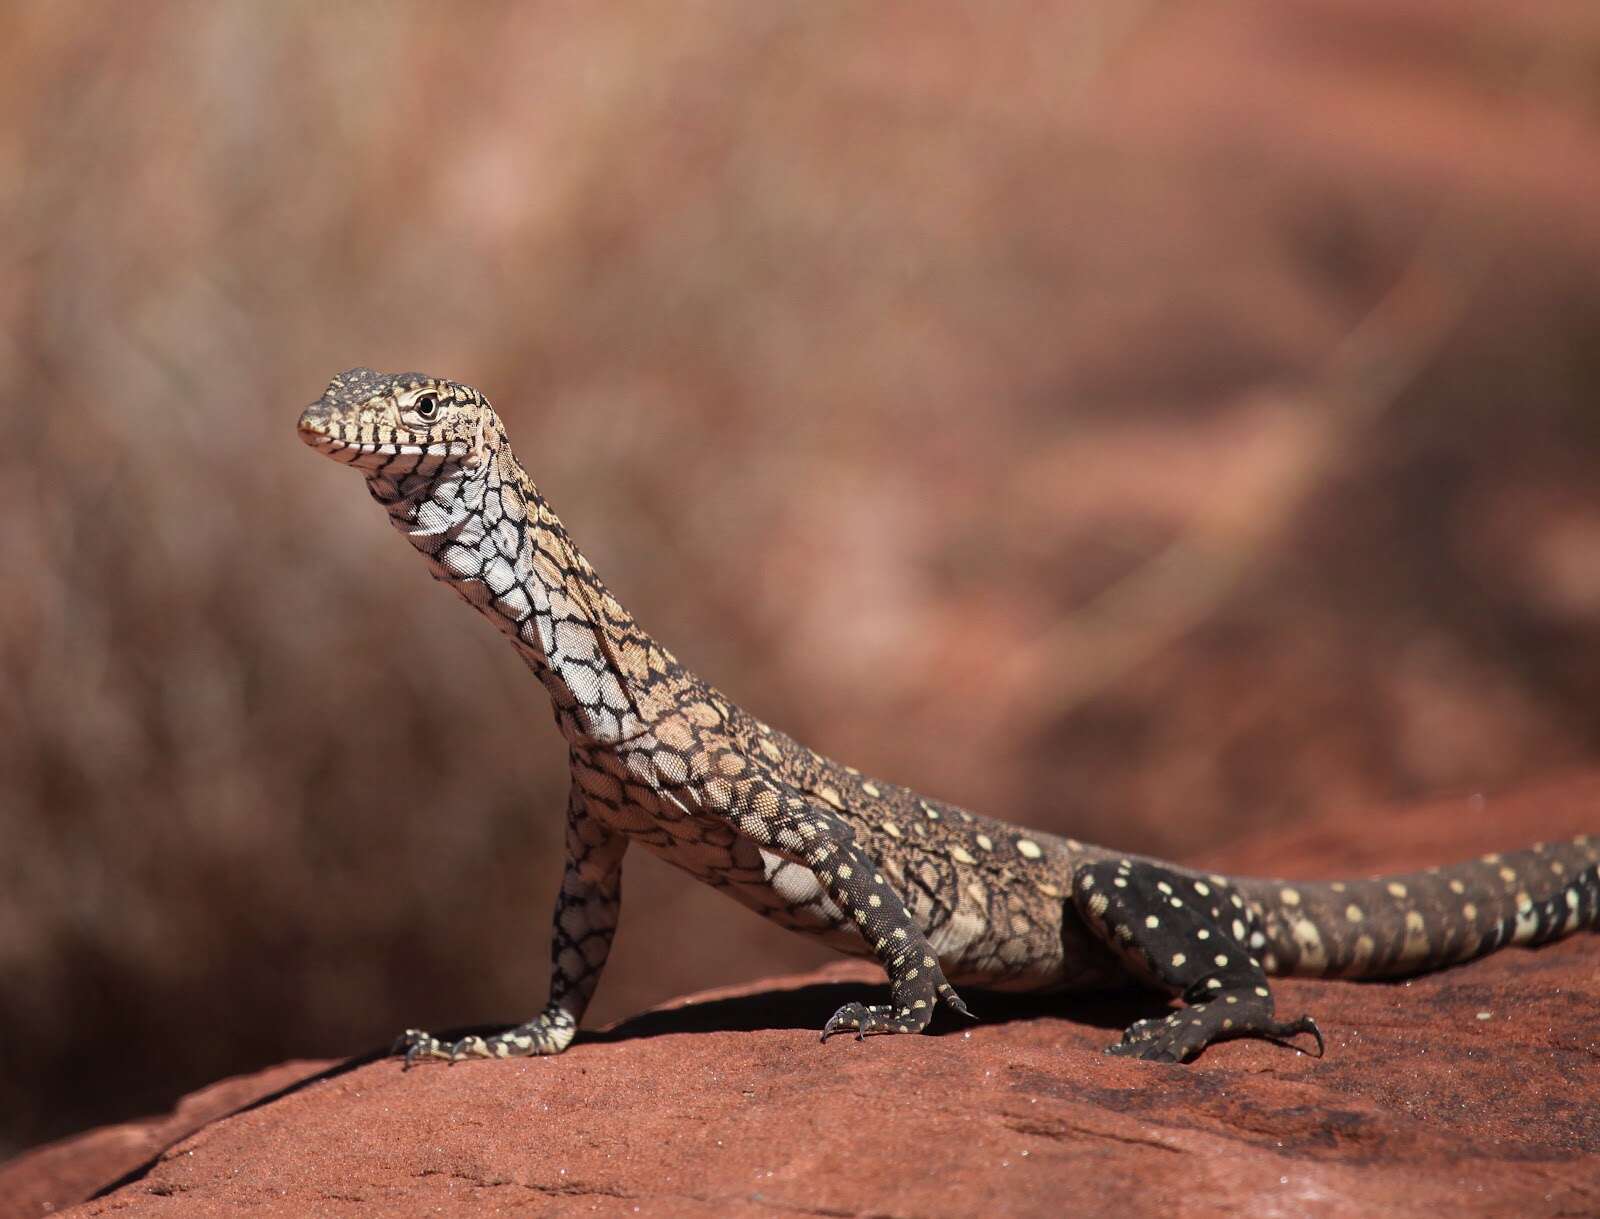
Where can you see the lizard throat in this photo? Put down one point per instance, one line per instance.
(487, 533)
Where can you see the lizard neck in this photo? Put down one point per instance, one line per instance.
(487, 532)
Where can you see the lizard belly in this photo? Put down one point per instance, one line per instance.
(778, 889)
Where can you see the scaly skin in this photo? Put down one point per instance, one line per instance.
(938, 895)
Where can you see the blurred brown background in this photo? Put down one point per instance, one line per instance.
(1152, 421)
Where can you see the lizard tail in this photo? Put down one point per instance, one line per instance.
(1390, 926)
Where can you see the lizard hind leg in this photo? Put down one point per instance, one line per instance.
(1187, 936)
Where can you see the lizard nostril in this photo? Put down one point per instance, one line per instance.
(315, 421)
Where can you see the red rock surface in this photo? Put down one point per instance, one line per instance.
(1471, 1092)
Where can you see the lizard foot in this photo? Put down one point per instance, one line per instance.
(1183, 1034)
(545, 1035)
(864, 1018)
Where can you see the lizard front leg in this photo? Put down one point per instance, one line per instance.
(784, 819)
(580, 940)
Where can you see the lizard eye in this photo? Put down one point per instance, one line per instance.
(427, 407)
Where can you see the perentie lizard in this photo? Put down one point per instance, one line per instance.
(938, 895)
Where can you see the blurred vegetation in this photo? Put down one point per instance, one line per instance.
(1150, 422)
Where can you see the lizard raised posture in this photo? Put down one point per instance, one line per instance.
(938, 895)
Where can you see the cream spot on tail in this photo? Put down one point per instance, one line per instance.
(1353, 913)
(1309, 941)
(1178, 959)
(984, 842)
(1289, 897)
(1152, 922)
(1457, 887)
(1028, 848)
(960, 855)
(1396, 889)
(871, 789)
(1508, 875)
(1469, 911)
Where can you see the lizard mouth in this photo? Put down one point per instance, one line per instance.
(315, 433)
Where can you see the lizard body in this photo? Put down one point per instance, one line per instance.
(938, 895)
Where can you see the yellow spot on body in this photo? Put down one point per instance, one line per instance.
(891, 829)
(846, 871)
(1469, 911)
(1396, 889)
(1508, 875)
(1289, 897)
(874, 901)
(871, 789)
(1178, 958)
(1202, 934)
(1202, 888)
(1353, 913)
(1491, 859)
(1028, 848)
(933, 813)
(1262, 991)
(1337, 886)
(1457, 887)
(1098, 904)
(961, 855)
(983, 841)
(831, 796)
(1152, 922)
(1048, 889)
(1221, 958)
(1558, 869)
(1163, 886)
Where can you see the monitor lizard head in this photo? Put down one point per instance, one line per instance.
(376, 421)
